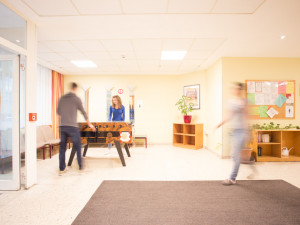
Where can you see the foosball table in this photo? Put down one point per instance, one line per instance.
(106, 133)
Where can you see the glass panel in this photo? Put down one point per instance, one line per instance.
(6, 99)
(22, 117)
(12, 26)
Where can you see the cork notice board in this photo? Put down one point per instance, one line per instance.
(269, 99)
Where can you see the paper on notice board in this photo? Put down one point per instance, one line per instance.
(251, 87)
(290, 98)
(254, 111)
(290, 87)
(280, 100)
(251, 98)
(289, 111)
(259, 99)
(282, 87)
(274, 87)
(258, 86)
(271, 98)
(272, 112)
(263, 111)
(266, 87)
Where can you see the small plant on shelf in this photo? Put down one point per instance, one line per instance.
(272, 126)
(185, 108)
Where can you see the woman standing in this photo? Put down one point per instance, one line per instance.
(116, 112)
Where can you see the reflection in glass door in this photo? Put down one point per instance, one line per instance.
(9, 121)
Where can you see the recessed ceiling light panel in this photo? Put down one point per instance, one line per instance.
(173, 55)
(84, 63)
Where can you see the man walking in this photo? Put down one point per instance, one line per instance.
(67, 109)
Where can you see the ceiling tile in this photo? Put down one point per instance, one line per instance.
(123, 55)
(147, 44)
(117, 45)
(50, 56)
(207, 43)
(74, 56)
(88, 45)
(59, 46)
(106, 63)
(144, 6)
(148, 55)
(149, 63)
(62, 63)
(43, 49)
(237, 6)
(190, 6)
(177, 44)
(98, 55)
(191, 63)
(52, 8)
(198, 54)
(98, 6)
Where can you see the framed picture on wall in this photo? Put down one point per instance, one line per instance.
(193, 92)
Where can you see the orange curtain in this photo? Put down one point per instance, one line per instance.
(57, 92)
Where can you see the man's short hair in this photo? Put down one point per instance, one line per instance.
(73, 85)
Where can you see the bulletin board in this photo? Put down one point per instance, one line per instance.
(269, 99)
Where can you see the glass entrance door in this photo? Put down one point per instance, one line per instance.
(9, 121)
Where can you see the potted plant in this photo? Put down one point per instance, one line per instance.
(185, 108)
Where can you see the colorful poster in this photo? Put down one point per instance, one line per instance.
(251, 98)
(258, 86)
(254, 111)
(282, 87)
(280, 100)
(263, 111)
(290, 98)
(289, 111)
(272, 112)
(259, 99)
(251, 87)
(290, 87)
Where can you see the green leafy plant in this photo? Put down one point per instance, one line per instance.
(272, 126)
(183, 107)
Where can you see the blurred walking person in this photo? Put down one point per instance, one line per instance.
(67, 110)
(239, 135)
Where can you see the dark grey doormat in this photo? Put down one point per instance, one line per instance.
(192, 202)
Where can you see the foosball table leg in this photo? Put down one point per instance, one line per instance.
(85, 149)
(119, 149)
(71, 156)
(127, 149)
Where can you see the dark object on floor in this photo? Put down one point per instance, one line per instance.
(193, 203)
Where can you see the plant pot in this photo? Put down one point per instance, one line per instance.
(187, 118)
(245, 155)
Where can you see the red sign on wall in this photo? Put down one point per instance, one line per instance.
(120, 91)
(32, 116)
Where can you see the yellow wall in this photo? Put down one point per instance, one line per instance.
(213, 107)
(158, 93)
(241, 69)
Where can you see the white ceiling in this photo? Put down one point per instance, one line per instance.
(127, 36)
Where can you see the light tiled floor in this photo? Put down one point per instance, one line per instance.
(59, 199)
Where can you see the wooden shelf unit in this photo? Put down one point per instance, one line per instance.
(188, 135)
(271, 152)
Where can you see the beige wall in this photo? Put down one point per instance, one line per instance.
(241, 69)
(158, 93)
(213, 107)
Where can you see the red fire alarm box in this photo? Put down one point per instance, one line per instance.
(32, 116)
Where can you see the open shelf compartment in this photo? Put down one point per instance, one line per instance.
(177, 128)
(189, 129)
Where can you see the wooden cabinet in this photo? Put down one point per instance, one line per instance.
(271, 151)
(188, 135)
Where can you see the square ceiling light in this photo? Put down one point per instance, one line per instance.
(84, 63)
(173, 55)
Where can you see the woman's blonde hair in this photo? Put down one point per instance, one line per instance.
(119, 105)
